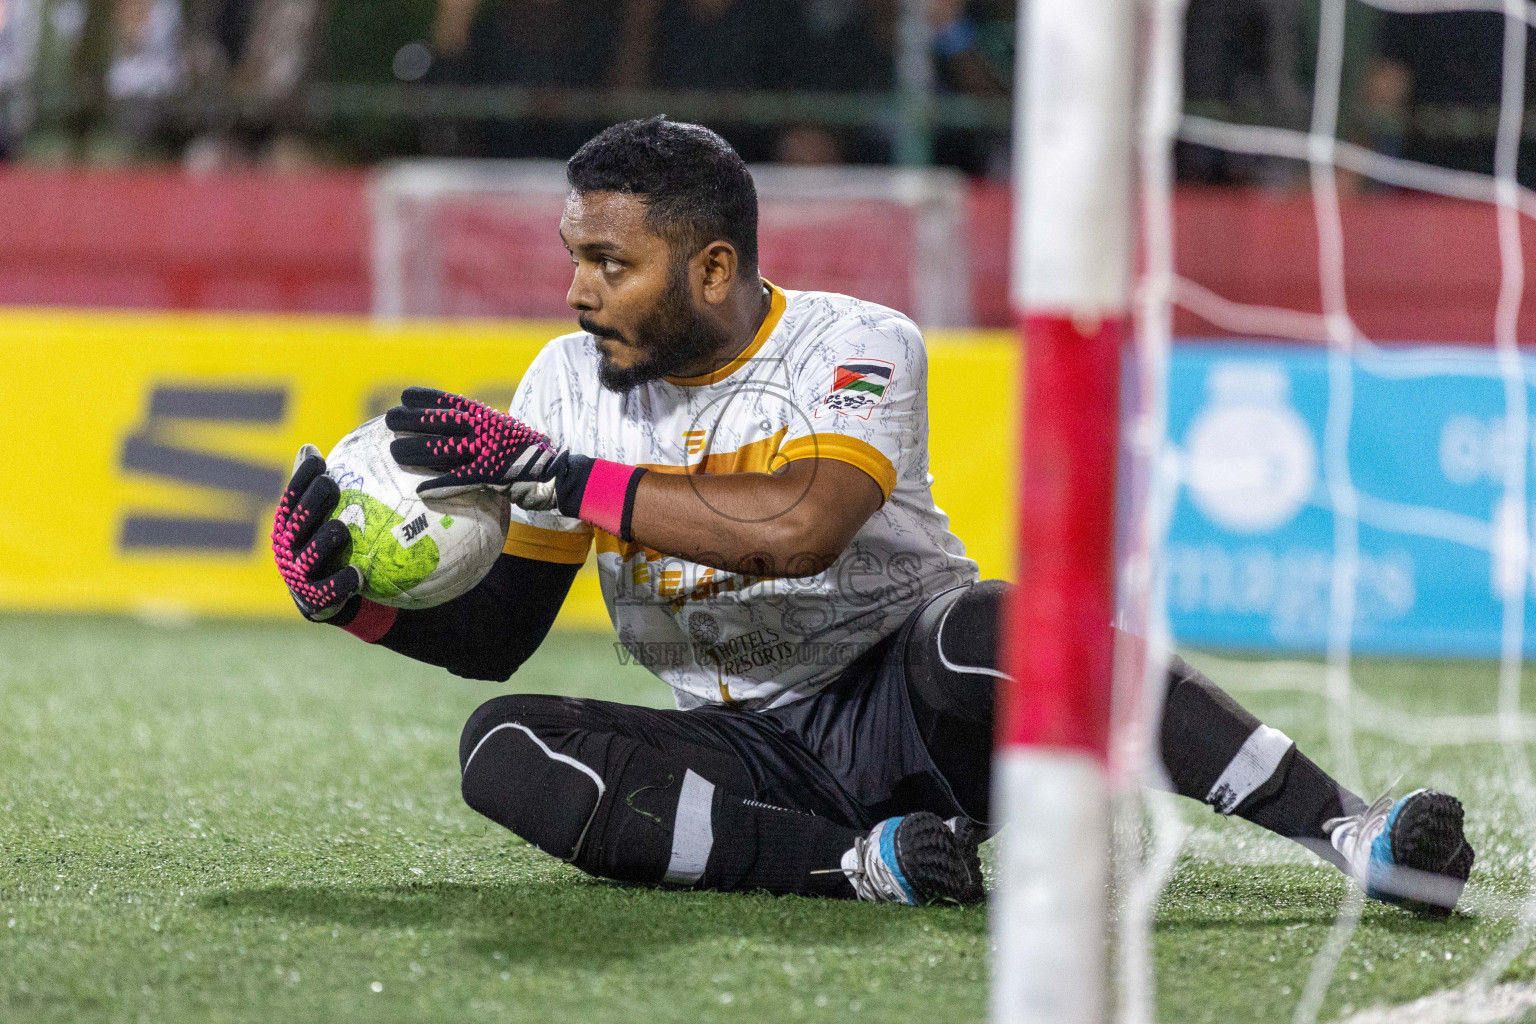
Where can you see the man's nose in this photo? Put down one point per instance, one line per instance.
(582, 297)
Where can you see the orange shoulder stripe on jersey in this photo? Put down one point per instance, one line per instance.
(843, 448)
(753, 457)
(776, 303)
(543, 545)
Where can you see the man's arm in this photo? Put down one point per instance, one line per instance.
(489, 632)
(795, 522)
(484, 634)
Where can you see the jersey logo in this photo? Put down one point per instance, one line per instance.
(693, 441)
(857, 387)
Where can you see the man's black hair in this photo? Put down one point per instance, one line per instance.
(695, 186)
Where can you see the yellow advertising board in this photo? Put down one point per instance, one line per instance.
(150, 448)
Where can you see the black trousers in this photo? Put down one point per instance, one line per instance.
(855, 753)
(726, 798)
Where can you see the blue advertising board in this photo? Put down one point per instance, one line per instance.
(1414, 455)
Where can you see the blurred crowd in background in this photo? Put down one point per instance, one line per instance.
(289, 83)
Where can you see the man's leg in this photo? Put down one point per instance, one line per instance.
(951, 667)
(1214, 750)
(640, 795)
(1410, 851)
(1217, 752)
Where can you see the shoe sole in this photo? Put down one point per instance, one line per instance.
(1427, 837)
(940, 866)
(969, 836)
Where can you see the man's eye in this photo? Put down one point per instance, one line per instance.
(611, 266)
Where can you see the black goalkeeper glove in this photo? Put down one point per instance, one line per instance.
(476, 446)
(311, 548)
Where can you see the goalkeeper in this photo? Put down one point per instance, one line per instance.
(752, 466)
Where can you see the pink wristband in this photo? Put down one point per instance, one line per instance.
(602, 503)
(372, 621)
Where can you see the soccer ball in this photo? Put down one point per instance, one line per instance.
(413, 552)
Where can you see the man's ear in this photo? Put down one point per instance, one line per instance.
(717, 260)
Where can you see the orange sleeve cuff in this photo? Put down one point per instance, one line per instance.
(543, 545)
(847, 449)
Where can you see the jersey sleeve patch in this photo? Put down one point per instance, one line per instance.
(858, 385)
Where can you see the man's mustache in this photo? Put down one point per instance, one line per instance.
(600, 332)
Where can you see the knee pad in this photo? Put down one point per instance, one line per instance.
(512, 776)
(972, 630)
(952, 652)
(539, 711)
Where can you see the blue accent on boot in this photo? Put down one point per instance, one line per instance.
(1381, 852)
(888, 854)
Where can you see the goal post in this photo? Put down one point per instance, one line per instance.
(1070, 293)
(1323, 451)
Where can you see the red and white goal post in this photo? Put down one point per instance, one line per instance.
(1072, 236)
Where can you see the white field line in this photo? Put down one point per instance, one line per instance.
(1466, 1005)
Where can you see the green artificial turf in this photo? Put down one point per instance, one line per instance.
(257, 822)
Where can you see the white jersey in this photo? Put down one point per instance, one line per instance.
(826, 377)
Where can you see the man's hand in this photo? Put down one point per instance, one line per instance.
(308, 545)
(480, 447)
(475, 445)
(795, 522)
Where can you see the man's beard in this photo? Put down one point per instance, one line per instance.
(673, 337)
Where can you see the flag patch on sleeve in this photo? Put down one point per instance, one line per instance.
(858, 385)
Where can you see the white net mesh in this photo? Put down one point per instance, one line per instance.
(1372, 733)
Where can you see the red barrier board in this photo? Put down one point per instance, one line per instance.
(1417, 268)
(168, 240)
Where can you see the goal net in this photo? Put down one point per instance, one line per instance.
(1324, 502)
(462, 238)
